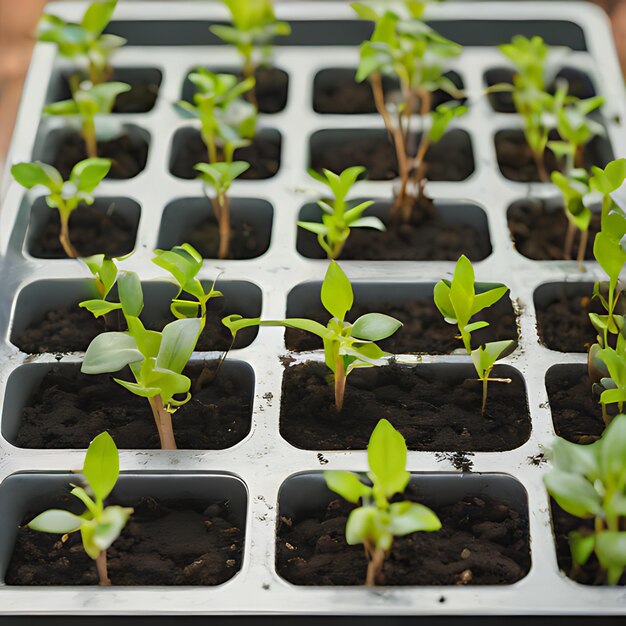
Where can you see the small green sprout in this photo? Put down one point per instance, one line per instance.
(339, 217)
(346, 346)
(104, 271)
(254, 28)
(409, 50)
(65, 196)
(377, 522)
(219, 177)
(86, 40)
(589, 482)
(458, 302)
(99, 526)
(88, 101)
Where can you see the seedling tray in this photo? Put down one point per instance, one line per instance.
(173, 38)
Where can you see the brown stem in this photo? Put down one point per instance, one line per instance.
(582, 247)
(89, 135)
(485, 388)
(224, 227)
(340, 383)
(569, 241)
(544, 177)
(163, 421)
(64, 236)
(374, 566)
(103, 574)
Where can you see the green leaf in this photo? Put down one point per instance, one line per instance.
(130, 293)
(347, 485)
(102, 465)
(110, 526)
(337, 296)
(139, 390)
(30, 175)
(610, 178)
(98, 308)
(613, 450)
(375, 326)
(63, 107)
(98, 15)
(611, 552)
(409, 517)
(88, 174)
(178, 341)
(573, 493)
(581, 546)
(314, 227)
(369, 222)
(488, 298)
(110, 352)
(87, 532)
(364, 12)
(386, 454)
(361, 525)
(56, 521)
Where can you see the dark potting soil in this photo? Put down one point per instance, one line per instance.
(92, 231)
(431, 413)
(68, 409)
(163, 543)
(579, 85)
(539, 233)
(271, 89)
(563, 523)
(576, 411)
(481, 542)
(263, 155)
(129, 155)
(337, 92)
(424, 328)
(450, 159)
(516, 161)
(564, 324)
(427, 237)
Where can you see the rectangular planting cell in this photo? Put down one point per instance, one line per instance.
(484, 539)
(206, 512)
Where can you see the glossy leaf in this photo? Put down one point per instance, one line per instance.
(375, 326)
(347, 485)
(102, 467)
(337, 296)
(386, 454)
(56, 521)
(110, 352)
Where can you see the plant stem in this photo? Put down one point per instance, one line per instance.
(541, 167)
(340, 383)
(375, 565)
(101, 565)
(163, 421)
(485, 388)
(64, 236)
(249, 72)
(221, 209)
(582, 247)
(89, 135)
(569, 241)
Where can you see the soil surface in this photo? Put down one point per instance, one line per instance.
(424, 328)
(431, 413)
(92, 231)
(450, 159)
(539, 233)
(68, 409)
(129, 155)
(516, 161)
(263, 154)
(481, 542)
(576, 411)
(337, 92)
(564, 324)
(563, 523)
(163, 543)
(427, 237)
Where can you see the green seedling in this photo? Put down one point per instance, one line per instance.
(88, 101)
(104, 271)
(252, 32)
(377, 521)
(99, 525)
(227, 122)
(65, 196)
(218, 177)
(338, 215)
(85, 41)
(589, 482)
(346, 346)
(410, 51)
(458, 302)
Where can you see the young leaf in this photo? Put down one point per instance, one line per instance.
(346, 484)
(386, 454)
(110, 352)
(337, 295)
(178, 341)
(409, 517)
(56, 521)
(102, 466)
(375, 326)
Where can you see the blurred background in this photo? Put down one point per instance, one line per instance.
(18, 20)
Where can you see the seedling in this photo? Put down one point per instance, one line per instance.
(65, 196)
(409, 50)
(219, 177)
(339, 217)
(85, 41)
(99, 526)
(589, 482)
(458, 302)
(88, 101)
(376, 522)
(346, 346)
(254, 28)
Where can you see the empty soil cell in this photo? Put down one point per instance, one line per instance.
(563, 324)
(562, 524)
(427, 237)
(516, 162)
(424, 330)
(579, 85)
(539, 232)
(163, 543)
(336, 91)
(481, 542)
(436, 409)
(94, 229)
(450, 159)
(128, 155)
(263, 154)
(68, 409)
(576, 411)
